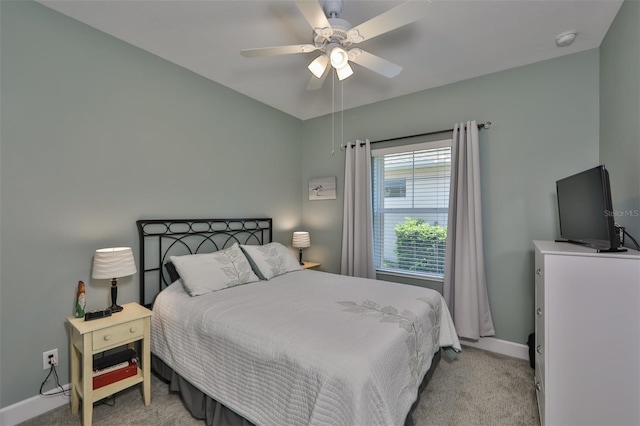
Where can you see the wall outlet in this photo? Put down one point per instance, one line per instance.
(46, 361)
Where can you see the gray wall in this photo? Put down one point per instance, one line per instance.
(620, 115)
(96, 134)
(545, 127)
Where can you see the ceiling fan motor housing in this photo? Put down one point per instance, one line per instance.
(339, 35)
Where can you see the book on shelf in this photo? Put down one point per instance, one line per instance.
(110, 369)
(114, 359)
(114, 367)
(114, 373)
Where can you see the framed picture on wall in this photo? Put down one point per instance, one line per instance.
(323, 188)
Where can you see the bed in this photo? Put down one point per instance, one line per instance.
(286, 346)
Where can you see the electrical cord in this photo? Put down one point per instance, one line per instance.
(62, 391)
(109, 401)
(624, 231)
(632, 239)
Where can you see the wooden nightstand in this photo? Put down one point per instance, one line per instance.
(92, 337)
(310, 265)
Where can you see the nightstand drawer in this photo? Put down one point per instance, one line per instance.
(122, 333)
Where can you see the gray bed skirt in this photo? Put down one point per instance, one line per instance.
(214, 413)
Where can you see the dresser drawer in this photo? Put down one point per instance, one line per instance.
(118, 334)
(540, 359)
(539, 384)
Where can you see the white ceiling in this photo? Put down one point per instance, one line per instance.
(454, 41)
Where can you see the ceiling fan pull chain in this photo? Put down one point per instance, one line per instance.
(333, 113)
(342, 112)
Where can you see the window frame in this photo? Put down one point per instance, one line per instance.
(397, 149)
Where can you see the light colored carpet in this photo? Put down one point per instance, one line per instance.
(479, 388)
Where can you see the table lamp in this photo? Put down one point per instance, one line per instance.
(301, 240)
(113, 263)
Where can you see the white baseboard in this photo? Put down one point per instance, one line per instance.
(503, 347)
(31, 407)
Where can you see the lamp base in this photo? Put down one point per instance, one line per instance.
(300, 257)
(114, 296)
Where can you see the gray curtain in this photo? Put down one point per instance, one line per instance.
(465, 288)
(357, 224)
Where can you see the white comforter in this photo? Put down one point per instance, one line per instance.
(307, 347)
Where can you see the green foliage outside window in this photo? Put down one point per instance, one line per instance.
(420, 247)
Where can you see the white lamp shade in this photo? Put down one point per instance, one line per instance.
(113, 262)
(339, 57)
(319, 65)
(301, 240)
(344, 72)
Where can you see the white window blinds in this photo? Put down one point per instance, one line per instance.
(410, 207)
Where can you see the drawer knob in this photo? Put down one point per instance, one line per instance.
(538, 386)
(539, 349)
(539, 272)
(132, 329)
(107, 337)
(539, 312)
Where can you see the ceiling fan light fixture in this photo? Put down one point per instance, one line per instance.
(344, 72)
(339, 57)
(319, 65)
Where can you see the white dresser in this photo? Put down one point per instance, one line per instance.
(587, 323)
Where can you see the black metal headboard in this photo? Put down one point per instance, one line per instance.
(161, 238)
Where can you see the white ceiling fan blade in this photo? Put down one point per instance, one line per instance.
(313, 13)
(316, 83)
(397, 17)
(374, 63)
(277, 50)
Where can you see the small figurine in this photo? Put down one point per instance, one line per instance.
(81, 300)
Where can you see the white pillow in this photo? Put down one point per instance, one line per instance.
(271, 260)
(207, 272)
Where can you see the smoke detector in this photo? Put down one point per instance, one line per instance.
(566, 38)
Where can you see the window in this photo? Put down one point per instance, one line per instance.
(410, 207)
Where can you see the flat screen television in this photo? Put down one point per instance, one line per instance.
(586, 210)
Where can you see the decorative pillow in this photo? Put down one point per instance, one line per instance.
(271, 260)
(204, 273)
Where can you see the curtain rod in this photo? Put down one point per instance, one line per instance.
(486, 125)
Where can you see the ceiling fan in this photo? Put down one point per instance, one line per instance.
(334, 38)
